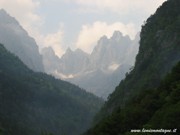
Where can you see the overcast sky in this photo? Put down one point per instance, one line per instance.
(78, 23)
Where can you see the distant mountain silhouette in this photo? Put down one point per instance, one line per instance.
(99, 72)
(17, 41)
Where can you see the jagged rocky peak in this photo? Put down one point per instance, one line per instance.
(69, 50)
(6, 20)
(50, 60)
(103, 40)
(117, 35)
(79, 51)
(3, 13)
(101, 44)
(48, 51)
(76, 52)
(68, 53)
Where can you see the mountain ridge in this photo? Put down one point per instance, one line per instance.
(17, 41)
(109, 55)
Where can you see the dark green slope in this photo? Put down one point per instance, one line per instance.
(159, 51)
(139, 99)
(31, 103)
(157, 108)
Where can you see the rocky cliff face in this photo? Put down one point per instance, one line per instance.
(17, 41)
(73, 62)
(110, 51)
(50, 60)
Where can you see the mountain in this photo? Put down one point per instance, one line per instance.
(50, 60)
(70, 64)
(17, 41)
(100, 71)
(158, 52)
(108, 63)
(99, 82)
(154, 111)
(110, 51)
(73, 62)
(34, 103)
(148, 98)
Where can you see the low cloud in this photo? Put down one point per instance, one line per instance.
(90, 34)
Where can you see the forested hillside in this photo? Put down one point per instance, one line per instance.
(157, 108)
(158, 53)
(144, 98)
(34, 103)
